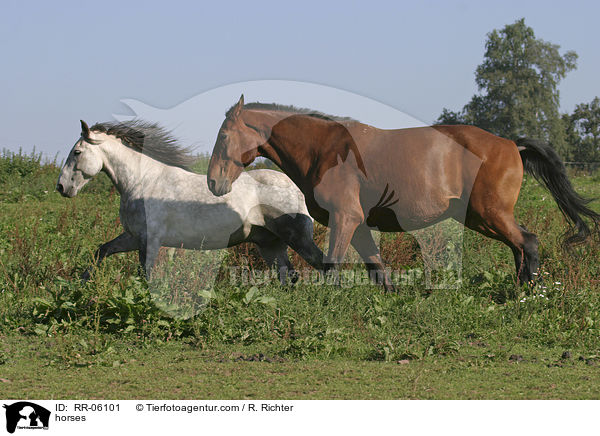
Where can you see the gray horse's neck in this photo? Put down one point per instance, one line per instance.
(129, 170)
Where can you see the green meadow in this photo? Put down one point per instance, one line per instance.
(110, 338)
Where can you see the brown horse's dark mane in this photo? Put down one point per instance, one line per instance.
(291, 109)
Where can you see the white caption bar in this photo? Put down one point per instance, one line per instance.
(160, 417)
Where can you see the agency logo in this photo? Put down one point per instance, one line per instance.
(26, 415)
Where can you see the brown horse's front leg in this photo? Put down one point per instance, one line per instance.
(365, 246)
(342, 227)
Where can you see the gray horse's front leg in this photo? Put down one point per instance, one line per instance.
(149, 248)
(121, 244)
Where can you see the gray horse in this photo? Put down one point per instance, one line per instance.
(163, 203)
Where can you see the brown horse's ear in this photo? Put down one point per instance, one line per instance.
(237, 109)
(85, 130)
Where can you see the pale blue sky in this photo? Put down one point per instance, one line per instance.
(62, 61)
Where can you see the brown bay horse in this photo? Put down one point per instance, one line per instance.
(356, 177)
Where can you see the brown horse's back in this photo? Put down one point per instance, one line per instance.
(434, 172)
(501, 172)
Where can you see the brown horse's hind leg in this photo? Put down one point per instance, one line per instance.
(529, 262)
(503, 227)
(364, 244)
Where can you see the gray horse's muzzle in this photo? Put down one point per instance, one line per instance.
(69, 193)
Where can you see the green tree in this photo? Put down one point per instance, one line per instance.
(450, 117)
(585, 130)
(573, 139)
(518, 82)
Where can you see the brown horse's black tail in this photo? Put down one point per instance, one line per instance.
(541, 161)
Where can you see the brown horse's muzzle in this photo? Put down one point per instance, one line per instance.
(219, 186)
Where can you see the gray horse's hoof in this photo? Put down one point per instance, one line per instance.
(85, 276)
(294, 276)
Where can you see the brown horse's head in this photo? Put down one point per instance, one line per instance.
(236, 147)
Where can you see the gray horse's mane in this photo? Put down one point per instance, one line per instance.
(292, 110)
(150, 139)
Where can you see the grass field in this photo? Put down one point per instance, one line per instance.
(107, 339)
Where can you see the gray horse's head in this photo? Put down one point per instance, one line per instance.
(83, 163)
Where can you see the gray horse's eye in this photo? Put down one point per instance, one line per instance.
(76, 152)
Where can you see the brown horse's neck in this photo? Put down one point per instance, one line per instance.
(282, 146)
(303, 146)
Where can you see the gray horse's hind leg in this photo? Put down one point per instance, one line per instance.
(273, 250)
(297, 232)
(121, 244)
(275, 253)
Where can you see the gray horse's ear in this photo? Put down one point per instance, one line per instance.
(85, 130)
(237, 110)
